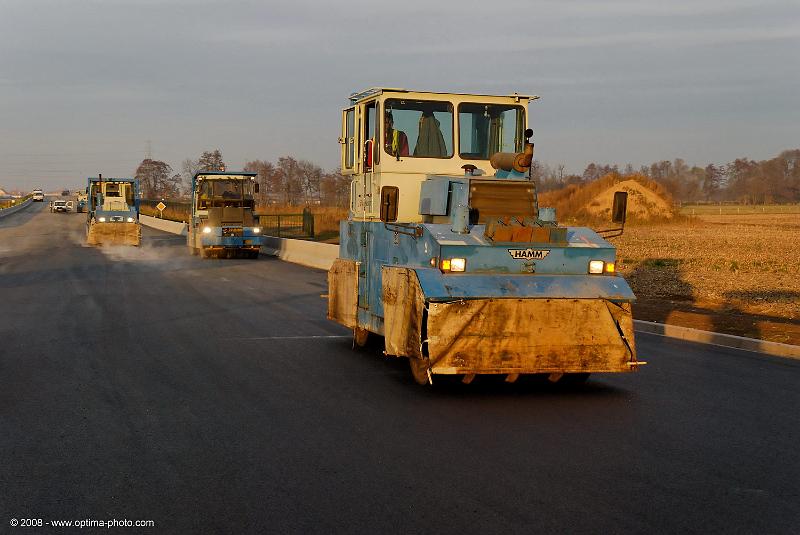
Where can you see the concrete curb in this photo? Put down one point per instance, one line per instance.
(718, 339)
(306, 253)
(173, 227)
(14, 209)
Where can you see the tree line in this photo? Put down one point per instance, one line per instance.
(776, 180)
(293, 181)
(288, 181)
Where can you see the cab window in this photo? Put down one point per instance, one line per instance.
(349, 137)
(417, 129)
(484, 129)
(370, 134)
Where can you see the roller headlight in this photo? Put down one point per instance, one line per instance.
(102, 219)
(206, 230)
(130, 220)
(256, 230)
(596, 267)
(458, 264)
(453, 265)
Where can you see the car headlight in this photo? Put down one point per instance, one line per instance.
(256, 230)
(596, 267)
(130, 220)
(102, 219)
(206, 230)
(454, 264)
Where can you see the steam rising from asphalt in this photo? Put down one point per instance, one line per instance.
(165, 250)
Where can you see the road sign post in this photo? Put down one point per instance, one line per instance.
(161, 207)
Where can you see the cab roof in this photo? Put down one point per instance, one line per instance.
(111, 179)
(358, 96)
(224, 173)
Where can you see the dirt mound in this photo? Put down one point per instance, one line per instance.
(644, 204)
(648, 201)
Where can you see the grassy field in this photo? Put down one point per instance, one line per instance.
(173, 211)
(729, 264)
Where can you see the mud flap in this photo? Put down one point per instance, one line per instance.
(343, 292)
(114, 234)
(506, 335)
(404, 312)
(529, 336)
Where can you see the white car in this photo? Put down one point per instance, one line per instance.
(61, 206)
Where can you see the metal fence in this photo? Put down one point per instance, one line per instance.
(288, 225)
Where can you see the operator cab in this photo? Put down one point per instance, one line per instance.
(394, 140)
(112, 195)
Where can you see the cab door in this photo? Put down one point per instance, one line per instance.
(369, 152)
(347, 140)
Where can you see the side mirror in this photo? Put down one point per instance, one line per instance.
(256, 187)
(389, 196)
(620, 207)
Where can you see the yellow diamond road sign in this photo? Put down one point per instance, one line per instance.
(161, 206)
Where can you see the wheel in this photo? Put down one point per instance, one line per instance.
(419, 370)
(360, 337)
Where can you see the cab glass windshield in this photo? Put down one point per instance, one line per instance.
(418, 128)
(484, 129)
(224, 193)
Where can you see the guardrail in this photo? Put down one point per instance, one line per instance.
(303, 252)
(16, 208)
(173, 227)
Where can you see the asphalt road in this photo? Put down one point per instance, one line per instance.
(214, 396)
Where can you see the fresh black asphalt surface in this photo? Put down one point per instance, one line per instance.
(212, 396)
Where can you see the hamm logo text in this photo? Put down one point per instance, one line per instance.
(528, 254)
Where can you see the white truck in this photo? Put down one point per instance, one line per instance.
(38, 195)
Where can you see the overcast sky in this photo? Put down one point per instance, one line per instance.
(84, 85)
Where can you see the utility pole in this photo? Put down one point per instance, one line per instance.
(149, 150)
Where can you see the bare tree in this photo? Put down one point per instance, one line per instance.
(188, 169)
(211, 161)
(157, 180)
(266, 178)
(712, 181)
